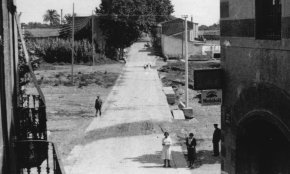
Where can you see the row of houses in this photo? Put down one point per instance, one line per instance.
(173, 41)
(171, 32)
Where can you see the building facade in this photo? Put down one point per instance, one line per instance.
(23, 131)
(255, 46)
(173, 41)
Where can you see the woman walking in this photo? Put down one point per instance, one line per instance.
(166, 150)
(191, 151)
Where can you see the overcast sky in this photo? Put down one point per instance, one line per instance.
(203, 11)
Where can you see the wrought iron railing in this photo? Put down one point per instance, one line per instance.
(31, 119)
(35, 155)
(38, 157)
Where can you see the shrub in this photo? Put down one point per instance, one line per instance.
(59, 50)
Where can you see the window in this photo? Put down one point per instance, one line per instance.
(268, 19)
(225, 10)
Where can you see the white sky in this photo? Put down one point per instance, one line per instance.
(203, 11)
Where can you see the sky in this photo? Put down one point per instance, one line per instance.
(204, 12)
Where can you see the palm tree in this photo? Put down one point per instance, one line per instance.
(52, 17)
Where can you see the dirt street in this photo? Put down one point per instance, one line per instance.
(126, 139)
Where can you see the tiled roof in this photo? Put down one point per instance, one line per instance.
(42, 32)
(175, 26)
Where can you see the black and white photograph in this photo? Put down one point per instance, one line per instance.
(145, 87)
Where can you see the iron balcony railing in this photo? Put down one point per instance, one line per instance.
(31, 119)
(38, 157)
(35, 155)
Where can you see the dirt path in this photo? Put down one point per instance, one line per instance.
(127, 138)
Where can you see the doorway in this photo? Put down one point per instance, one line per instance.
(262, 148)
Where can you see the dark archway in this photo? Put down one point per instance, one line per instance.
(262, 147)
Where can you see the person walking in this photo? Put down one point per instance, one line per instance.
(215, 140)
(191, 151)
(98, 105)
(166, 150)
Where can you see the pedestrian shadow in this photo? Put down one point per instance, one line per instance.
(205, 157)
(156, 161)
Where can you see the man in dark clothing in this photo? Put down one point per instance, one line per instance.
(98, 105)
(191, 151)
(215, 140)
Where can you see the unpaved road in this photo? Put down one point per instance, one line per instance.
(127, 138)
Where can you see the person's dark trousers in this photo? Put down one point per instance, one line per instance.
(98, 110)
(216, 151)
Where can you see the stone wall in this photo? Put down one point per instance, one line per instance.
(256, 80)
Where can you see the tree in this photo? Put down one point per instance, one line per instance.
(215, 26)
(68, 18)
(203, 27)
(52, 17)
(123, 21)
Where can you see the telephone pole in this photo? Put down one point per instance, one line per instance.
(188, 111)
(73, 45)
(61, 16)
(93, 44)
(186, 61)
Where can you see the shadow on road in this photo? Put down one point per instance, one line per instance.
(157, 161)
(205, 157)
(149, 159)
(202, 156)
(150, 51)
(145, 127)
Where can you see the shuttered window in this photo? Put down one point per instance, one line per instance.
(268, 19)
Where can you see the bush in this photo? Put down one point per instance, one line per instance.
(59, 50)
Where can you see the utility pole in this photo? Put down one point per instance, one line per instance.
(188, 111)
(93, 44)
(61, 16)
(186, 61)
(73, 45)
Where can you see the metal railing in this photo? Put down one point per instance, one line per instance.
(38, 157)
(31, 119)
(35, 155)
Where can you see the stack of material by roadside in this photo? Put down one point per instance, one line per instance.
(170, 95)
(178, 114)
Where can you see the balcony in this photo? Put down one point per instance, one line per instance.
(38, 157)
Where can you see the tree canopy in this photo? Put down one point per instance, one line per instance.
(123, 21)
(215, 26)
(52, 17)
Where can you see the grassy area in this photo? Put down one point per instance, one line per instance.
(70, 108)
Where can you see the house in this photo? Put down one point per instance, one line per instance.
(255, 119)
(83, 30)
(24, 147)
(209, 34)
(172, 38)
(41, 33)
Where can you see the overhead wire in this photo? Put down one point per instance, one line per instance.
(81, 23)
